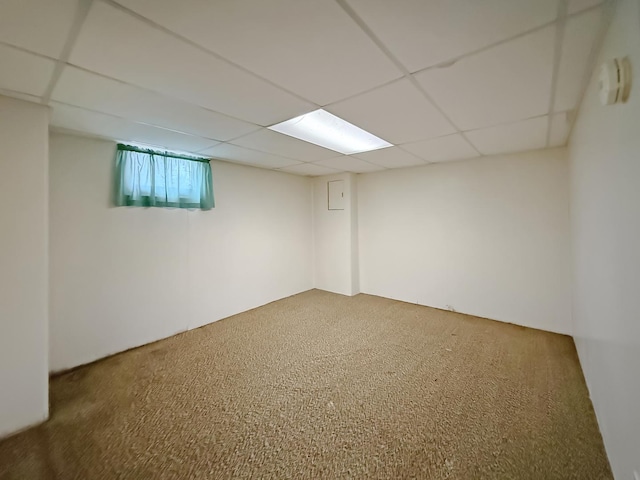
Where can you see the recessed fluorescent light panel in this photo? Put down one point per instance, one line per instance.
(325, 129)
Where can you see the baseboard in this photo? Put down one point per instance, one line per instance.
(470, 314)
(63, 371)
(4, 436)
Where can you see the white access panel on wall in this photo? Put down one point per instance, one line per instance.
(336, 194)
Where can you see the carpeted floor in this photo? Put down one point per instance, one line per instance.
(324, 386)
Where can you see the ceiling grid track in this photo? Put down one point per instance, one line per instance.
(153, 24)
(25, 50)
(561, 79)
(608, 8)
(138, 122)
(365, 28)
(64, 62)
(510, 122)
(557, 56)
(81, 14)
(123, 82)
(506, 40)
(161, 94)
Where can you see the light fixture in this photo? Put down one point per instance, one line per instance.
(326, 130)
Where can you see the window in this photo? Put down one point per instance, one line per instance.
(148, 178)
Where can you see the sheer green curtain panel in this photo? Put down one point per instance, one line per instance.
(149, 178)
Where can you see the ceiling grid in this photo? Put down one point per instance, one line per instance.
(81, 14)
(198, 46)
(405, 72)
(243, 65)
(557, 54)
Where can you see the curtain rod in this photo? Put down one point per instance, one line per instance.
(150, 151)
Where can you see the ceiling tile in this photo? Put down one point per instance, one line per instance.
(278, 144)
(391, 157)
(578, 5)
(24, 72)
(80, 120)
(509, 82)
(451, 147)
(233, 153)
(512, 137)
(580, 35)
(120, 46)
(560, 127)
(310, 169)
(423, 33)
(312, 48)
(37, 25)
(92, 91)
(348, 163)
(397, 112)
(20, 96)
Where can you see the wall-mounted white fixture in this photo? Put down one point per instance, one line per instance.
(615, 81)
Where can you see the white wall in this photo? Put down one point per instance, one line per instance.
(605, 217)
(335, 238)
(123, 277)
(487, 236)
(23, 264)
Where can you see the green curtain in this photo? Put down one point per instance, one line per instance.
(147, 178)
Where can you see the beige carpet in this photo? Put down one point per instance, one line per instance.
(324, 386)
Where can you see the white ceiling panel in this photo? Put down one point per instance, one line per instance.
(424, 33)
(580, 35)
(24, 72)
(92, 91)
(186, 75)
(560, 128)
(443, 149)
(20, 96)
(529, 134)
(80, 120)
(312, 48)
(397, 112)
(310, 169)
(233, 153)
(578, 5)
(391, 157)
(509, 82)
(278, 144)
(120, 46)
(347, 163)
(41, 26)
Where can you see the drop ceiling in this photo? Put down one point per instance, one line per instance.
(441, 80)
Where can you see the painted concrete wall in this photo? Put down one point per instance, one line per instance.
(487, 237)
(23, 264)
(605, 224)
(123, 277)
